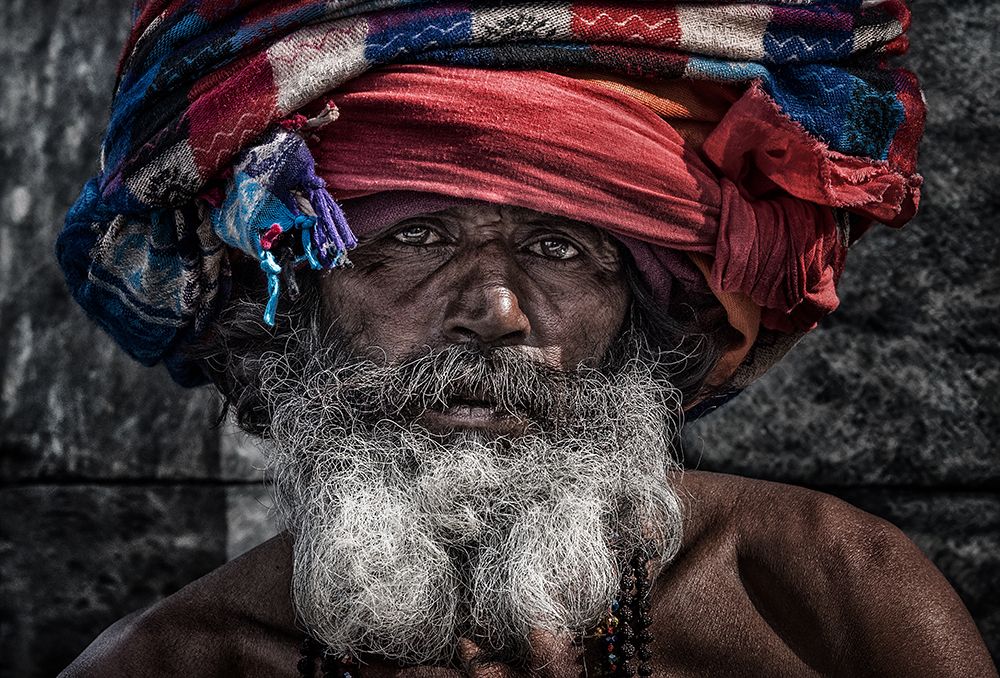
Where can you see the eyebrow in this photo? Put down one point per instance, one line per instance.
(599, 235)
(556, 220)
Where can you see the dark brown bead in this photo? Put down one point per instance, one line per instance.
(627, 650)
(645, 654)
(640, 607)
(330, 664)
(645, 670)
(645, 636)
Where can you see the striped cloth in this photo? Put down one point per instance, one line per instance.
(194, 158)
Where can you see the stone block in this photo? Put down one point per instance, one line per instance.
(73, 404)
(240, 456)
(952, 52)
(75, 559)
(250, 517)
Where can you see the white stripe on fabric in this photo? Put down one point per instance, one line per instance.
(522, 21)
(876, 34)
(734, 31)
(317, 59)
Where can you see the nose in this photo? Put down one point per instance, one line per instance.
(487, 312)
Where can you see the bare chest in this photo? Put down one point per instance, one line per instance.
(702, 622)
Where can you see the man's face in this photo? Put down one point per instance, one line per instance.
(485, 276)
(473, 445)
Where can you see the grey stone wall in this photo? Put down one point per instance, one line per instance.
(116, 488)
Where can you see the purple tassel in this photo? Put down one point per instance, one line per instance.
(331, 235)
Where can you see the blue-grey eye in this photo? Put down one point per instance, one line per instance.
(417, 235)
(554, 248)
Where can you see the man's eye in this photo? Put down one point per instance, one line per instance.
(417, 235)
(554, 248)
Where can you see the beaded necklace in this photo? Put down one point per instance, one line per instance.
(625, 631)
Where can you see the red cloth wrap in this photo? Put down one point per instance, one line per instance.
(757, 202)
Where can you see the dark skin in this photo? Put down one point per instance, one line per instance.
(488, 276)
(771, 580)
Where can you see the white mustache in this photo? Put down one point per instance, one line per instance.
(406, 541)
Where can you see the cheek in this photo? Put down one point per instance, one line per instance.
(575, 315)
(375, 307)
(583, 315)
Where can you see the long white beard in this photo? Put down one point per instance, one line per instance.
(406, 541)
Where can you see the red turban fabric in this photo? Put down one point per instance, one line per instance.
(755, 200)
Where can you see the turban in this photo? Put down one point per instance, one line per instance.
(237, 124)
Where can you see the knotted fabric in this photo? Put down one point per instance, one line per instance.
(205, 147)
(575, 148)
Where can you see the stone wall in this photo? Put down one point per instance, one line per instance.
(116, 487)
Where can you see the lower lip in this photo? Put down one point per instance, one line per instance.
(471, 417)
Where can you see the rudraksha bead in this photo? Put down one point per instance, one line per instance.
(331, 666)
(307, 666)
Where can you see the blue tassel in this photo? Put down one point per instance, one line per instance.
(273, 271)
(307, 247)
(325, 237)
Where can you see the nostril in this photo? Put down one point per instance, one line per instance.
(461, 334)
(484, 337)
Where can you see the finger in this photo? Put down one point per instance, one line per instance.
(467, 651)
(469, 654)
(554, 656)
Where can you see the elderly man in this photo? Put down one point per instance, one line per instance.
(558, 246)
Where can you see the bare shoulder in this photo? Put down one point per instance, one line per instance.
(204, 629)
(835, 581)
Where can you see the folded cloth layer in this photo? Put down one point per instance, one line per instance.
(762, 211)
(204, 147)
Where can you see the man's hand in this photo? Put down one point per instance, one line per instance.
(551, 657)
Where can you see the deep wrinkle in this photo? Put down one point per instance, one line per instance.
(475, 276)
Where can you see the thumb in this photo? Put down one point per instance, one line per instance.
(469, 655)
(554, 656)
